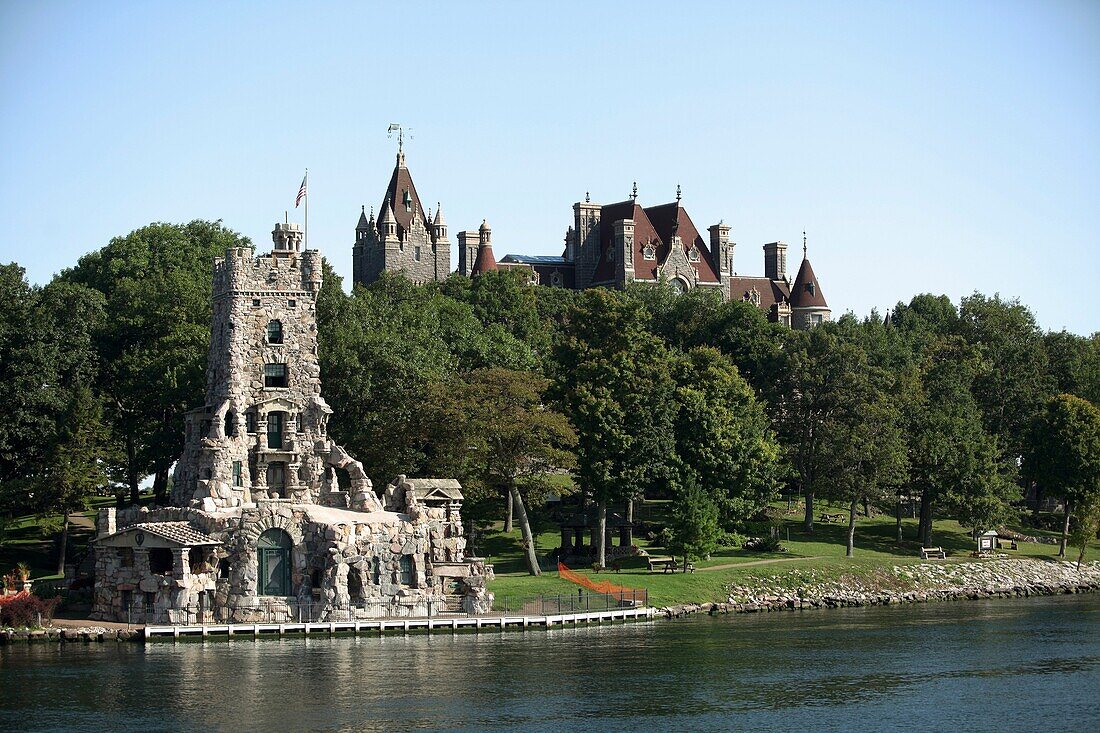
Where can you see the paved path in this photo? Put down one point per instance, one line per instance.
(750, 563)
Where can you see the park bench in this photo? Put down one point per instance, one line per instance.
(1006, 543)
(832, 517)
(667, 564)
(929, 552)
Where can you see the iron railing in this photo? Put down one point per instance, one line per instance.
(295, 611)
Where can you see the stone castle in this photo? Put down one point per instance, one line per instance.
(608, 245)
(270, 519)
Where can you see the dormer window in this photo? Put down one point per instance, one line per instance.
(810, 288)
(649, 252)
(693, 254)
(275, 332)
(406, 199)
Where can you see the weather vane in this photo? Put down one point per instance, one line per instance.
(401, 131)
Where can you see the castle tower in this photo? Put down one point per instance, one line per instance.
(254, 438)
(808, 306)
(485, 261)
(406, 240)
(586, 241)
(721, 252)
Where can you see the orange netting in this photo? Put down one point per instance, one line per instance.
(605, 586)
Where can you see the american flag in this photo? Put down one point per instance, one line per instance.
(301, 191)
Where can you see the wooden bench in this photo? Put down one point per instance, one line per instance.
(930, 552)
(1005, 543)
(667, 564)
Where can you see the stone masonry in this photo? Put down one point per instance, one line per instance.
(270, 519)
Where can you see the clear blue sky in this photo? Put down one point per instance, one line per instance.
(925, 147)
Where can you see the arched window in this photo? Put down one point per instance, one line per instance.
(274, 332)
(273, 555)
(679, 286)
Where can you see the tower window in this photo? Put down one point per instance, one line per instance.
(274, 332)
(291, 303)
(407, 200)
(416, 254)
(275, 375)
(255, 302)
(810, 288)
(238, 474)
(250, 421)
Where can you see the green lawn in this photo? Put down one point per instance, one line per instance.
(32, 540)
(823, 551)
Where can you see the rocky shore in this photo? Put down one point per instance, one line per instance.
(86, 634)
(918, 583)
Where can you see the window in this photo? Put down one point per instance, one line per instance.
(649, 252)
(810, 288)
(355, 586)
(238, 474)
(230, 424)
(678, 286)
(196, 560)
(298, 423)
(376, 570)
(292, 303)
(126, 557)
(255, 302)
(406, 565)
(275, 375)
(276, 477)
(275, 422)
(223, 567)
(274, 332)
(273, 556)
(693, 254)
(250, 421)
(408, 201)
(150, 599)
(160, 560)
(416, 254)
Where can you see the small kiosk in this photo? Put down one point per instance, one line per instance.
(987, 542)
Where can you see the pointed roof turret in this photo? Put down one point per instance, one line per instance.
(403, 198)
(387, 214)
(806, 291)
(363, 222)
(439, 220)
(485, 260)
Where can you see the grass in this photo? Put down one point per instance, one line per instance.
(33, 540)
(823, 552)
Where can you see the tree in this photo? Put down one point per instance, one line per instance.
(382, 349)
(1086, 527)
(154, 338)
(1064, 454)
(817, 377)
(612, 378)
(863, 448)
(952, 458)
(723, 435)
(693, 530)
(512, 442)
(75, 467)
(1015, 382)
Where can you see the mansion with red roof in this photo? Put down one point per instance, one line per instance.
(608, 245)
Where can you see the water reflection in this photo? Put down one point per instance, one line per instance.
(1033, 663)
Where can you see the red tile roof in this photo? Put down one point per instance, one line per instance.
(673, 218)
(485, 260)
(771, 291)
(806, 291)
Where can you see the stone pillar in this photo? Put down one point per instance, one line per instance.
(106, 522)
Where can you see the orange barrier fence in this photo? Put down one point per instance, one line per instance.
(604, 586)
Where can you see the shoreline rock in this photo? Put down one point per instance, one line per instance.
(920, 583)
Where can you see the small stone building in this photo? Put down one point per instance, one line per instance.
(270, 519)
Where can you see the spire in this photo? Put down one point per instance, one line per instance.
(587, 199)
(677, 193)
(387, 214)
(364, 223)
(485, 260)
(439, 220)
(634, 191)
(806, 291)
(803, 244)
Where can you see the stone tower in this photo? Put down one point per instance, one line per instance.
(257, 436)
(404, 239)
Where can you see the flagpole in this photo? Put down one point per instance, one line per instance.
(306, 236)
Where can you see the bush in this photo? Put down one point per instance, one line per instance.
(25, 610)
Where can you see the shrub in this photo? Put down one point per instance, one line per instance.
(25, 610)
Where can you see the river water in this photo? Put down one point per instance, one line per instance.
(1021, 665)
